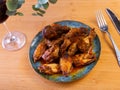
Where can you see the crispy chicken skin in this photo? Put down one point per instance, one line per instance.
(51, 43)
(84, 32)
(49, 68)
(51, 54)
(66, 65)
(75, 32)
(60, 29)
(84, 59)
(85, 43)
(92, 34)
(80, 60)
(83, 46)
(89, 39)
(49, 33)
(40, 49)
(65, 45)
(55, 31)
(72, 49)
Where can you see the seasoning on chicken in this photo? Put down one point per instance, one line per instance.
(55, 31)
(84, 59)
(89, 39)
(77, 32)
(83, 46)
(51, 54)
(49, 68)
(66, 65)
(84, 32)
(40, 49)
(64, 46)
(92, 34)
(85, 43)
(72, 49)
(51, 43)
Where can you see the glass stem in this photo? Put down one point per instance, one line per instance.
(7, 29)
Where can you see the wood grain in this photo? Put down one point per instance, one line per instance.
(16, 72)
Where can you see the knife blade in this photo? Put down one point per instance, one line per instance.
(114, 19)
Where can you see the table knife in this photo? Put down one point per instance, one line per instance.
(114, 19)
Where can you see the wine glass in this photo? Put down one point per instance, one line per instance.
(12, 40)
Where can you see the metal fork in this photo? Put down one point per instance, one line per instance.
(104, 27)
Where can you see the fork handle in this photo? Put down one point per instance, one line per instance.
(115, 47)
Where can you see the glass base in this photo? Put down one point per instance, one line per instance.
(14, 41)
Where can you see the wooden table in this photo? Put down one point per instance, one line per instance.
(16, 72)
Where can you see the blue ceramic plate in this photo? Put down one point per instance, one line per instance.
(78, 73)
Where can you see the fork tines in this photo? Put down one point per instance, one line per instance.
(100, 19)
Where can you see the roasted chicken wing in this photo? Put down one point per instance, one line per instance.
(51, 43)
(64, 46)
(49, 68)
(83, 46)
(40, 49)
(72, 49)
(90, 37)
(54, 31)
(85, 43)
(51, 54)
(66, 65)
(84, 59)
(77, 32)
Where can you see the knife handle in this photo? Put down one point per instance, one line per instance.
(115, 47)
